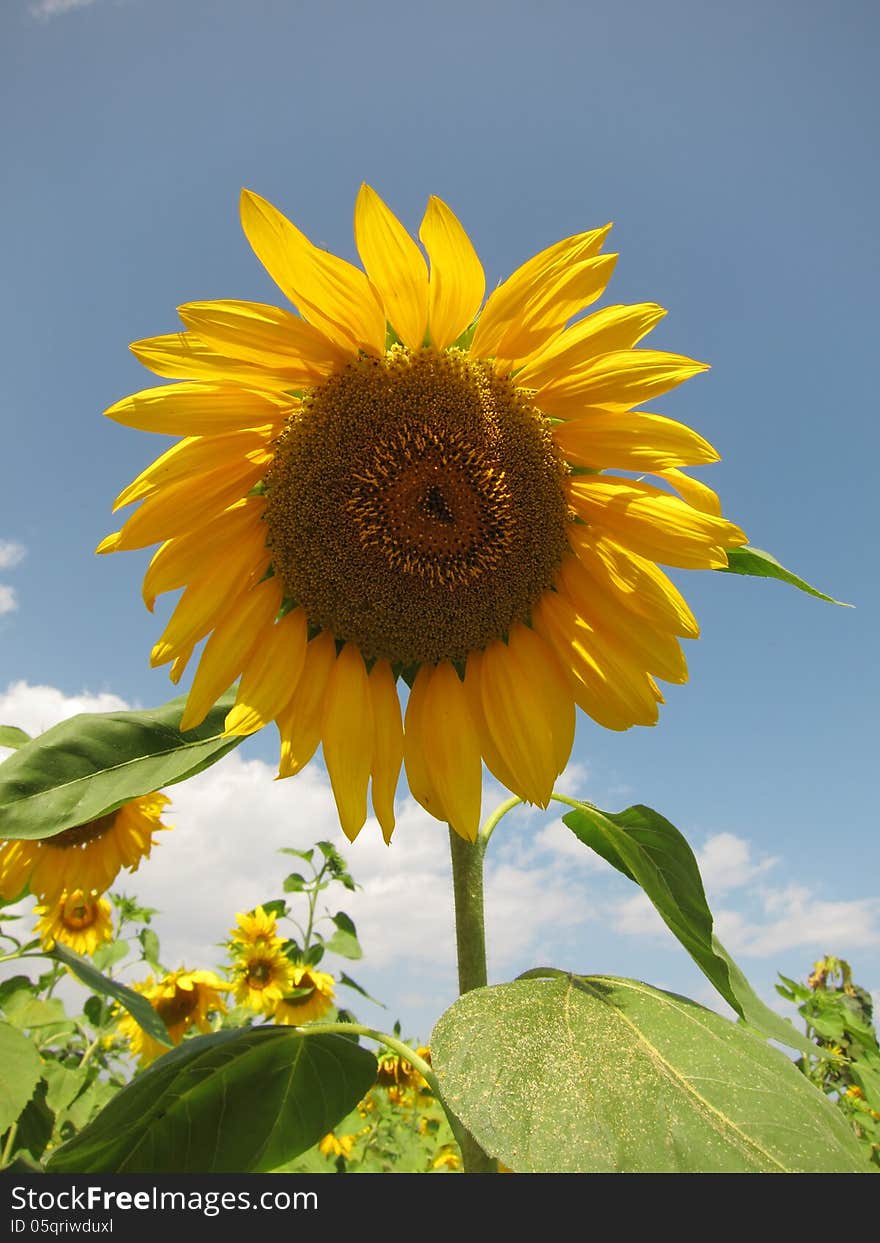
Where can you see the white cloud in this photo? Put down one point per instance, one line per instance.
(11, 553)
(798, 917)
(44, 9)
(726, 863)
(36, 708)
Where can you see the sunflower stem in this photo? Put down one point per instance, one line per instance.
(470, 939)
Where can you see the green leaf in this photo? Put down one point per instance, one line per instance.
(36, 1124)
(63, 1084)
(276, 907)
(236, 1101)
(344, 940)
(350, 983)
(314, 954)
(94, 762)
(294, 883)
(149, 946)
(760, 564)
(12, 736)
(299, 854)
(20, 1070)
(650, 851)
(136, 1005)
(598, 1074)
(109, 954)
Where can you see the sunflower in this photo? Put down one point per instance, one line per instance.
(87, 857)
(182, 999)
(262, 976)
(256, 927)
(337, 1145)
(313, 997)
(394, 487)
(80, 920)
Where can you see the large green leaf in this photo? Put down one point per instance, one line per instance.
(597, 1074)
(94, 762)
(20, 1069)
(647, 849)
(136, 1005)
(760, 564)
(12, 736)
(238, 1101)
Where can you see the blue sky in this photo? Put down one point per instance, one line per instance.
(734, 149)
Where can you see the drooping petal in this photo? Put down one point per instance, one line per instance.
(529, 283)
(637, 582)
(187, 504)
(183, 356)
(612, 328)
(457, 282)
(347, 736)
(418, 738)
(394, 264)
(387, 744)
(654, 523)
(616, 381)
(656, 650)
(229, 648)
(330, 293)
(209, 597)
(270, 678)
(473, 687)
(262, 334)
(194, 456)
(192, 408)
(630, 440)
(299, 722)
(453, 755)
(610, 689)
(202, 552)
(694, 491)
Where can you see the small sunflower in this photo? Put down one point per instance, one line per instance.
(88, 857)
(81, 920)
(394, 487)
(396, 1071)
(313, 997)
(182, 999)
(337, 1145)
(262, 976)
(255, 928)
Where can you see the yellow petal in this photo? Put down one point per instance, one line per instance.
(417, 739)
(457, 281)
(299, 723)
(519, 713)
(505, 304)
(636, 582)
(694, 491)
(199, 409)
(187, 504)
(657, 651)
(270, 678)
(330, 293)
(394, 264)
(347, 735)
(631, 440)
(545, 314)
(209, 597)
(453, 751)
(612, 328)
(197, 455)
(654, 523)
(617, 381)
(612, 690)
(182, 356)
(265, 335)
(229, 648)
(387, 744)
(495, 762)
(200, 553)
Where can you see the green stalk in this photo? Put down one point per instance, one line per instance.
(470, 940)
